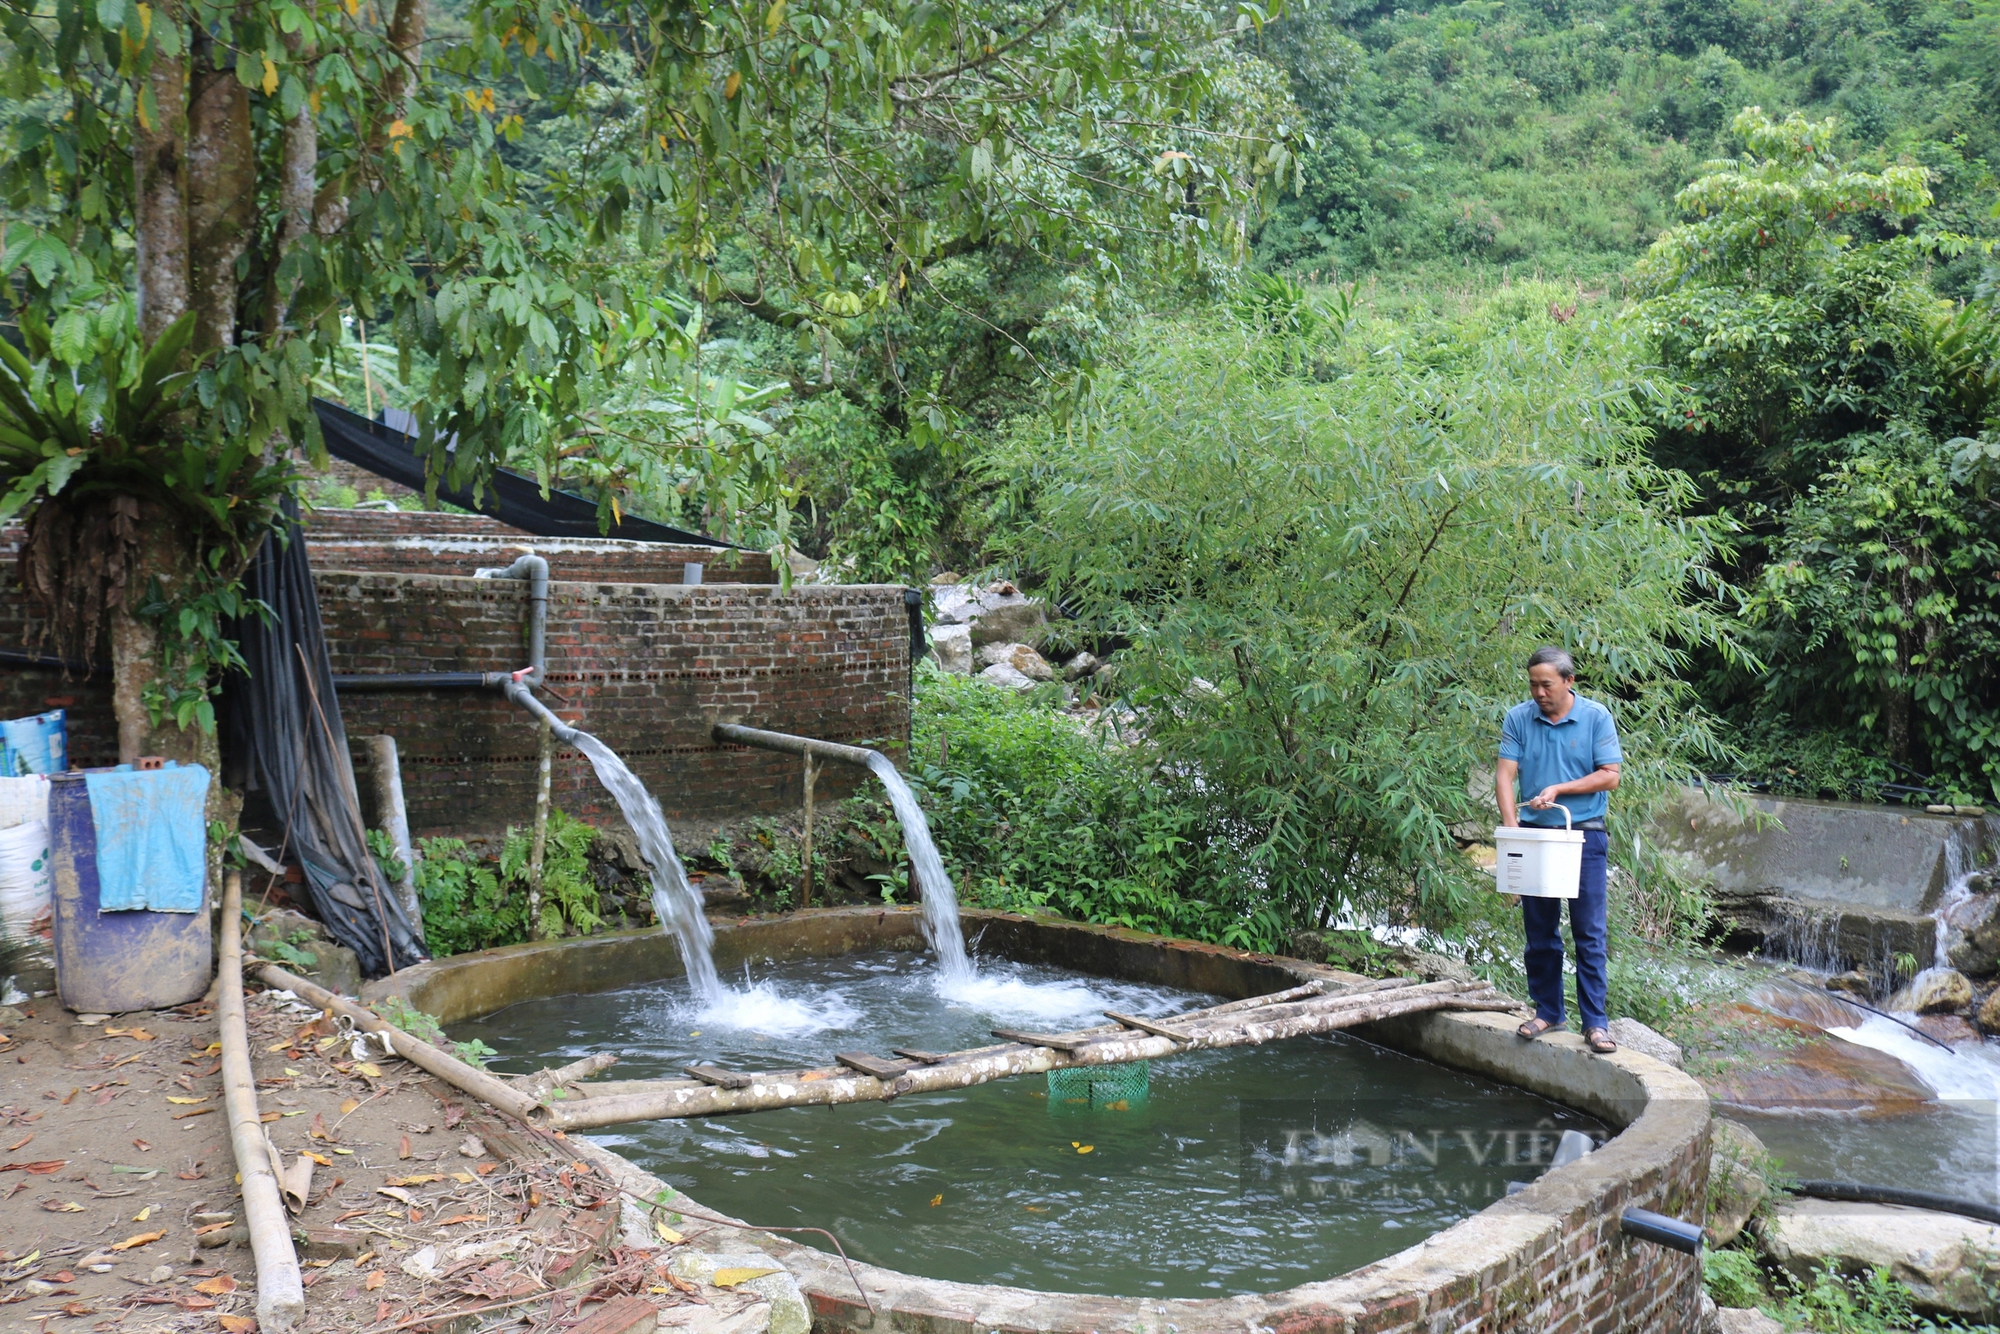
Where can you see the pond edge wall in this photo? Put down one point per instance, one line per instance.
(1548, 1258)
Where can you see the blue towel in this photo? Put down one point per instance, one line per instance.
(152, 837)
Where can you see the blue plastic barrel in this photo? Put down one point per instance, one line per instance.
(111, 962)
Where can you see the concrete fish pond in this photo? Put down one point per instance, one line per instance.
(1290, 1185)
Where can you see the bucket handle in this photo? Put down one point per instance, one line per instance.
(1565, 810)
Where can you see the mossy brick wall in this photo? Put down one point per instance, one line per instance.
(646, 668)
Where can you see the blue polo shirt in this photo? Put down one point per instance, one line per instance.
(1549, 752)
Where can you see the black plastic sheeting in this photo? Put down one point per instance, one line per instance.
(510, 497)
(284, 728)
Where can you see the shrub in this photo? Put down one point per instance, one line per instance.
(464, 905)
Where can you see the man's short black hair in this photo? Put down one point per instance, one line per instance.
(1550, 656)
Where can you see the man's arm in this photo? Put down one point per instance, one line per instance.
(1504, 779)
(1603, 779)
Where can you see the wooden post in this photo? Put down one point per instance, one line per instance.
(806, 847)
(536, 849)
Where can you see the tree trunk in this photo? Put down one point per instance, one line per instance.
(298, 180)
(165, 555)
(222, 192)
(159, 206)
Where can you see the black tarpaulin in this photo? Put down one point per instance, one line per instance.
(284, 727)
(510, 497)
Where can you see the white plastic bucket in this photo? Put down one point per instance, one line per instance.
(1539, 863)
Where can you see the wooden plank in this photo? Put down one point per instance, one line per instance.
(871, 1065)
(1054, 1041)
(1149, 1026)
(922, 1057)
(722, 1079)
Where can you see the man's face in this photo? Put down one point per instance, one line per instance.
(1548, 688)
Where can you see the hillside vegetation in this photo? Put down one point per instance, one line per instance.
(1550, 136)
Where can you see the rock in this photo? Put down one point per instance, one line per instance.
(1853, 982)
(1082, 665)
(161, 1274)
(945, 580)
(789, 1313)
(1015, 620)
(338, 969)
(952, 645)
(11, 1017)
(1989, 1013)
(1972, 935)
(1935, 991)
(1736, 1182)
(1780, 1062)
(1948, 1263)
(1745, 1320)
(1002, 588)
(1705, 1317)
(1021, 658)
(1006, 675)
(1632, 1034)
(1950, 1029)
(473, 1147)
(955, 604)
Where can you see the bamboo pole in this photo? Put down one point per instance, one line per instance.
(450, 1069)
(281, 1296)
(834, 1085)
(537, 1085)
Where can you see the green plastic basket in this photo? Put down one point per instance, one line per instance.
(1111, 1088)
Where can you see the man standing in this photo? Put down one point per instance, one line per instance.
(1563, 749)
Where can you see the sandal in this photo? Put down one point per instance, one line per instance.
(1600, 1041)
(1534, 1028)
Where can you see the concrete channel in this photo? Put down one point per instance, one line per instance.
(1548, 1257)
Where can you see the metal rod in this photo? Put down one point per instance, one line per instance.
(860, 756)
(806, 849)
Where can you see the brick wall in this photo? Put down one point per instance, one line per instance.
(414, 542)
(646, 668)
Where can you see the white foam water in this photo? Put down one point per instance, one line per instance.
(674, 900)
(940, 900)
(1003, 993)
(765, 1010)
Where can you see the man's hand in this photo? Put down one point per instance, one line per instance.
(1546, 798)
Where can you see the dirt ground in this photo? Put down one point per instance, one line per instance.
(119, 1208)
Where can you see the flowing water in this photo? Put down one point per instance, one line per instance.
(1243, 1170)
(674, 900)
(940, 901)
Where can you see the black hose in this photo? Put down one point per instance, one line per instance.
(913, 607)
(1853, 1192)
(1846, 999)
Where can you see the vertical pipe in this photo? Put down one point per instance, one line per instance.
(386, 769)
(281, 1297)
(806, 848)
(539, 846)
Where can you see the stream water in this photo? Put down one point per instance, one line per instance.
(1242, 1170)
(940, 900)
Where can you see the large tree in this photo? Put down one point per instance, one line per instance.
(202, 193)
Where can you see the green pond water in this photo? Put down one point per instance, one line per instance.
(1243, 1170)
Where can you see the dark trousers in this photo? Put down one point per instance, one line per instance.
(1543, 919)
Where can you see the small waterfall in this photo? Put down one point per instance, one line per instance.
(676, 902)
(940, 900)
(1806, 936)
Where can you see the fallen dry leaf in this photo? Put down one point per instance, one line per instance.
(485, 1168)
(136, 1034)
(461, 1218)
(319, 1158)
(41, 1169)
(186, 1102)
(237, 1324)
(62, 1206)
(143, 1214)
(668, 1235)
(729, 1278)
(347, 1108)
(402, 1150)
(22, 1142)
(421, 1179)
(395, 1194)
(266, 1118)
(138, 1239)
(219, 1286)
(375, 1280)
(204, 1111)
(142, 1146)
(368, 1068)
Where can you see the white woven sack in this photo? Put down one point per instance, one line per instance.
(24, 877)
(23, 799)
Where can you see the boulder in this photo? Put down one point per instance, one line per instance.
(1950, 1029)
(1082, 665)
(1972, 934)
(1989, 1012)
(1003, 620)
(1935, 991)
(333, 966)
(1950, 1264)
(1736, 1182)
(954, 604)
(945, 580)
(1008, 676)
(1021, 658)
(1853, 982)
(770, 1281)
(1745, 1320)
(953, 646)
(1635, 1036)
